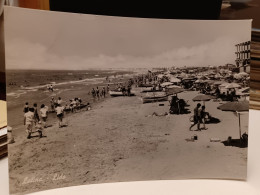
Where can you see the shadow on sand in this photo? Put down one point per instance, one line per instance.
(236, 143)
(213, 120)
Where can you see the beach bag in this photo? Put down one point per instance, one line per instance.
(192, 118)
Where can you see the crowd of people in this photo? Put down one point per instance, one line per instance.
(35, 121)
(98, 93)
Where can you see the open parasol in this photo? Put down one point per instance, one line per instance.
(203, 98)
(238, 107)
(166, 84)
(174, 90)
(232, 86)
(218, 82)
(174, 80)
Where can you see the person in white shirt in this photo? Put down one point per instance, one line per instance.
(60, 114)
(28, 122)
(43, 114)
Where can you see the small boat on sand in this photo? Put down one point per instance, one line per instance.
(154, 97)
(113, 93)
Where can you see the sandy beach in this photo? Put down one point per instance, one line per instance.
(119, 140)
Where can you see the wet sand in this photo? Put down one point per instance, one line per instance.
(119, 140)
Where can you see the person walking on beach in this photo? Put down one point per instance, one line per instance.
(196, 117)
(43, 114)
(60, 114)
(39, 128)
(26, 107)
(203, 114)
(28, 122)
(36, 115)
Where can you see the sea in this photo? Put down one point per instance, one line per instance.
(32, 86)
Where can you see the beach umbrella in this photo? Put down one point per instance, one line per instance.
(218, 82)
(174, 90)
(160, 76)
(224, 84)
(203, 98)
(217, 76)
(242, 106)
(232, 86)
(173, 86)
(166, 84)
(244, 74)
(174, 80)
(209, 81)
(199, 81)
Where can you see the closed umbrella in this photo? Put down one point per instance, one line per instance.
(238, 107)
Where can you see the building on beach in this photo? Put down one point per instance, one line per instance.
(243, 56)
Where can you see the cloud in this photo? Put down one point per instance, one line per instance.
(22, 54)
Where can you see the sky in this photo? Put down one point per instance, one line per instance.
(37, 39)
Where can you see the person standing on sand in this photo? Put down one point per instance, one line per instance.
(93, 92)
(104, 92)
(60, 114)
(43, 113)
(97, 93)
(28, 122)
(196, 117)
(51, 88)
(52, 104)
(108, 88)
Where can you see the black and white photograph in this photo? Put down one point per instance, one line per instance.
(101, 99)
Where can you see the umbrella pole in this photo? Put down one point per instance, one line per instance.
(239, 127)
